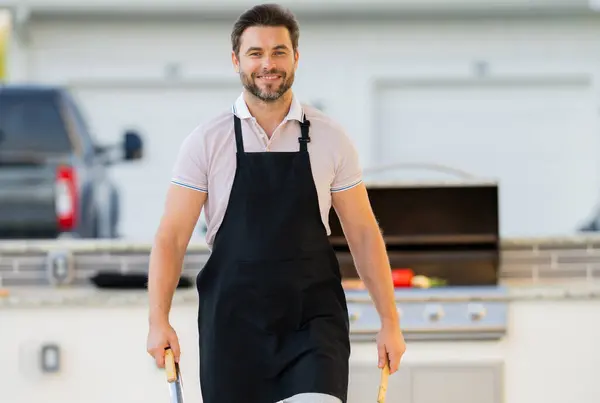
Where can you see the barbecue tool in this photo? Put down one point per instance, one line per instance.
(173, 377)
(383, 384)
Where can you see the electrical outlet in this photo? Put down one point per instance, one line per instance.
(50, 358)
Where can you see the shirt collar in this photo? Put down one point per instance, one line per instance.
(240, 109)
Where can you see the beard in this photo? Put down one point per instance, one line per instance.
(271, 92)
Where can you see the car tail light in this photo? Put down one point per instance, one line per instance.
(66, 198)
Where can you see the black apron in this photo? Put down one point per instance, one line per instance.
(272, 319)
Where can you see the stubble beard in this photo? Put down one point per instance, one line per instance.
(269, 94)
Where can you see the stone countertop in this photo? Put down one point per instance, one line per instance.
(199, 246)
(552, 290)
(49, 297)
(513, 290)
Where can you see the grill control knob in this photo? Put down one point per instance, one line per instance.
(434, 312)
(476, 312)
(60, 267)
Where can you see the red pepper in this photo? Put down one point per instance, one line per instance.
(402, 277)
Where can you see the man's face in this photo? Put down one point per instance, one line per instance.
(266, 62)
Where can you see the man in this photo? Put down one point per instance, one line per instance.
(272, 322)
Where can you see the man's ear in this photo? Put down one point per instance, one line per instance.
(235, 62)
(296, 59)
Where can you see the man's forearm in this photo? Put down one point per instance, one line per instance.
(166, 261)
(372, 263)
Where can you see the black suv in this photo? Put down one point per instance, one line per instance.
(53, 176)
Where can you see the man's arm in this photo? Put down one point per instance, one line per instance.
(372, 264)
(367, 248)
(181, 213)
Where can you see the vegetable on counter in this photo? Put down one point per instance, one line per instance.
(405, 278)
(401, 278)
(428, 282)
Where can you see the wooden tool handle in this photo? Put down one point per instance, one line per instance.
(170, 365)
(383, 384)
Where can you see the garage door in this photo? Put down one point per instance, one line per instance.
(164, 116)
(540, 140)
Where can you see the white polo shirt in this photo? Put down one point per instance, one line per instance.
(207, 158)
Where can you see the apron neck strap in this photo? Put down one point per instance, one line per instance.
(237, 123)
(305, 139)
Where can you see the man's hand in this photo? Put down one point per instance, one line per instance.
(160, 336)
(390, 346)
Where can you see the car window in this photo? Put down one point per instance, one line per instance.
(31, 122)
(78, 119)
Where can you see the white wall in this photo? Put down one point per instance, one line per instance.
(233, 6)
(341, 64)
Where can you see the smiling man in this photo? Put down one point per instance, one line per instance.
(272, 321)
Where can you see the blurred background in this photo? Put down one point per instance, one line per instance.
(477, 123)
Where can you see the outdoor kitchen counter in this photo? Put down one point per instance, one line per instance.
(553, 268)
(516, 290)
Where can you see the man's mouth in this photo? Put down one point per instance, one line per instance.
(270, 77)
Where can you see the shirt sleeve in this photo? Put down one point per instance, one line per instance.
(190, 169)
(348, 171)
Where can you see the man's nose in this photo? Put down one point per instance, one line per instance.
(268, 63)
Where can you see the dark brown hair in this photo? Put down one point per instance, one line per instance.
(265, 15)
